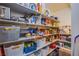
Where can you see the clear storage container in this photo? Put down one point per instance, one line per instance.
(9, 33)
(14, 50)
(41, 42)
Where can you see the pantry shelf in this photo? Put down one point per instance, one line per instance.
(32, 24)
(41, 47)
(19, 8)
(26, 39)
(16, 22)
(24, 10)
(66, 51)
(64, 41)
(20, 40)
(54, 20)
(51, 50)
(10, 21)
(65, 34)
(63, 48)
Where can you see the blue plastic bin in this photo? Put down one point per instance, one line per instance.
(30, 49)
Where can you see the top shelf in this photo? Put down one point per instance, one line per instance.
(21, 9)
(54, 20)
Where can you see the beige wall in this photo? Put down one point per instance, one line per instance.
(62, 11)
(64, 16)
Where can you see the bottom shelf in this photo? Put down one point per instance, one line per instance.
(42, 47)
(50, 51)
(64, 51)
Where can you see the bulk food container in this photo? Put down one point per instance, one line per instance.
(44, 51)
(14, 50)
(9, 33)
(41, 42)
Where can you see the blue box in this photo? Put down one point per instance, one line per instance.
(30, 49)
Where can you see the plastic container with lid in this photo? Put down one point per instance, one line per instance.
(9, 33)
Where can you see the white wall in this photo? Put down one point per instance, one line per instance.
(64, 16)
(75, 29)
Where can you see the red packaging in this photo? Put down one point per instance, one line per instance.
(53, 45)
(1, 51)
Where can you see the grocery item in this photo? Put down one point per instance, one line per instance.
(39, 7)
(41, 42)
(43, 21)
(1, 51)
(53, 45)
(29, 46)
(4, 12)
(32, 6)
(47, 13)
(14, 18)
(9, 33)
(32, 20)
(14, 50)
(61, 44)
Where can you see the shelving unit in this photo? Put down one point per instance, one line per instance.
(23, 23)
(33, 38)
(50, 51)
(50, 18)
(64, 41)
(17, 8)
(43, 47)
(64, 51)
(65, 34)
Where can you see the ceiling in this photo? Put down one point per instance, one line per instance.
(57, 6)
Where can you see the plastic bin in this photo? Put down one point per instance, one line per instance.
(41, 42)
(30, 47)
(14, 50)
(44, 51)
(9, 33)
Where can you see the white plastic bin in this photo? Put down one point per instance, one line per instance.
(41, 42)
(44, 51)
(15, 50)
